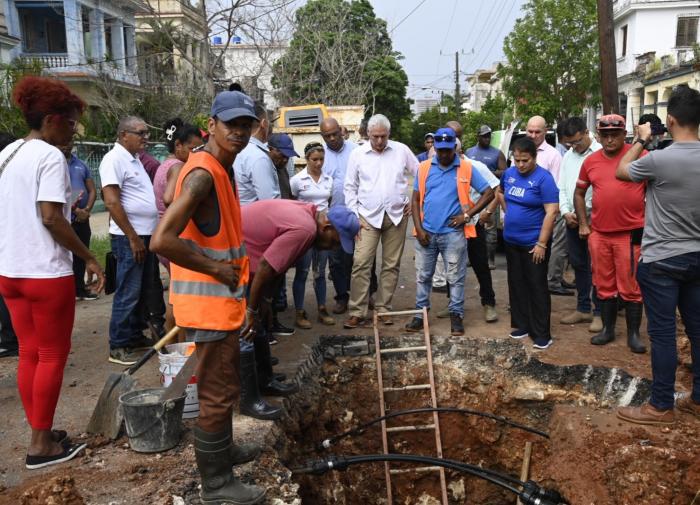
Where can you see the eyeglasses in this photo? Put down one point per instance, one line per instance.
(608, 124)
(141, 133)
(444, 138)
(573, 143)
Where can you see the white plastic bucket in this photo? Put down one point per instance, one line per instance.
(170, 365)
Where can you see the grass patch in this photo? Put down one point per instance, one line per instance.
(100, 245)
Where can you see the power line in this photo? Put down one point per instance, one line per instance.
(498, 37)
(406, 16)
(491, 19)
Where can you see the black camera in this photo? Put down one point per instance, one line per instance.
(658, 129)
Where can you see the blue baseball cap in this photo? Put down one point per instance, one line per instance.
(283, 143)
(445, 138)
(346, 224)
(230, 105)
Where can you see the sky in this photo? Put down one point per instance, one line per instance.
(429, 36)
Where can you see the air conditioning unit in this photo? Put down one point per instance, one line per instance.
(302, 116)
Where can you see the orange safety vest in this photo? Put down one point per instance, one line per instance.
(463, 180)
(199, 300)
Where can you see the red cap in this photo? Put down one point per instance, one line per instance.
(611, 122)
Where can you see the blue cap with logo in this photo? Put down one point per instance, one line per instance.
(346, 224)
(445, 138)
(230, 105)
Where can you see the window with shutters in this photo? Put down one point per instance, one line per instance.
(687, 31)
(623, 36)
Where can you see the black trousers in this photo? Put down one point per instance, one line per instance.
(477, 251)
(530, 303)
(152, 301)
(8, 339)
(82, 230)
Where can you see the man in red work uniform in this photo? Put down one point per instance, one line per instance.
(615, 231)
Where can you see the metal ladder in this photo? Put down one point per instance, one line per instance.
(411, 387)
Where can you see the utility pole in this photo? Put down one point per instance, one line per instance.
(458, 94)
(608, 66)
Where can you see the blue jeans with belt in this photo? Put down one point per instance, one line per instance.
(580, 260)
(667, 284)
(453, 247)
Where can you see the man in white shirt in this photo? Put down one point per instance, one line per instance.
(549, 158)
(575, 136)
(376, 190)
(128, 195)
(337, 154)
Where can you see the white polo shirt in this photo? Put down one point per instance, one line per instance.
(120, 168)
(376, 183)
(305, 189)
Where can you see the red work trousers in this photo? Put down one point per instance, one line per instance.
(614, 261)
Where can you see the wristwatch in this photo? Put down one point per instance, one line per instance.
(640, 141)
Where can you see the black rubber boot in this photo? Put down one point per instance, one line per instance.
(608, 313)
(243, 452)
(213, 454)
(633, 315)
(251, 403)
(268, 384)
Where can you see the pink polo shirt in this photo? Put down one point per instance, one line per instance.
(549, 159)
(280, 231)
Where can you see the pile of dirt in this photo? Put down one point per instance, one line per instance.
(55, 491)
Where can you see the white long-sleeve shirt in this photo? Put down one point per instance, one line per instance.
(568, 175)
(376, 183)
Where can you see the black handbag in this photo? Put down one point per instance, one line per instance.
(110, 273)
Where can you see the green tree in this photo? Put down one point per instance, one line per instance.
(552, 58)
(341, 54)
(11, 119)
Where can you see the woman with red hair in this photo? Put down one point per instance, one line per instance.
(36, 242)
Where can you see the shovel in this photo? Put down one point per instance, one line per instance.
(107, 417)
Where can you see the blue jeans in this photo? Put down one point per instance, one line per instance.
(580, 261)
(453, 247)
(136, 296)
(318, 258)
(667, 284)
(340, 265)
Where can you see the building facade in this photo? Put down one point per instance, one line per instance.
(482, 84)
(248, 64)
(7, 41)
(77, 41)
(652, 38)
(172, 42)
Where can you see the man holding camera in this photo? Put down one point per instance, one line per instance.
(669, 273)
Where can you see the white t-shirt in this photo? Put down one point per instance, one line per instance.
(37, 173)
(120, 168)
(305, 189)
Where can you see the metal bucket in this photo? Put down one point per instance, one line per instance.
(152, 425)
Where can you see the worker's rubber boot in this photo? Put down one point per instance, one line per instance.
(269, 385)
(219, 486)
(252, 404)
(608, 313)
(242, 452)
(633, 315)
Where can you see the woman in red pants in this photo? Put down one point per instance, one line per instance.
(36, 242)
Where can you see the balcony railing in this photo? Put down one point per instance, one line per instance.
(46, 60)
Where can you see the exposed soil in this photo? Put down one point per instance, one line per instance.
(591, 456)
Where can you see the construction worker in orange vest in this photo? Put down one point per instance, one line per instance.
(443, 216)
(201, 234)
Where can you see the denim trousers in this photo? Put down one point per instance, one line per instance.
(138, 296)
(453, 247)
(317, 259)
(82, 230)
(666, 285)
(340, 265)
(580, 260)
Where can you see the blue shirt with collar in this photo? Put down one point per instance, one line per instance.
(79, 173)
(488, 156)
(335, 164)
(422, 156)
(441, 200)
(256, 176)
